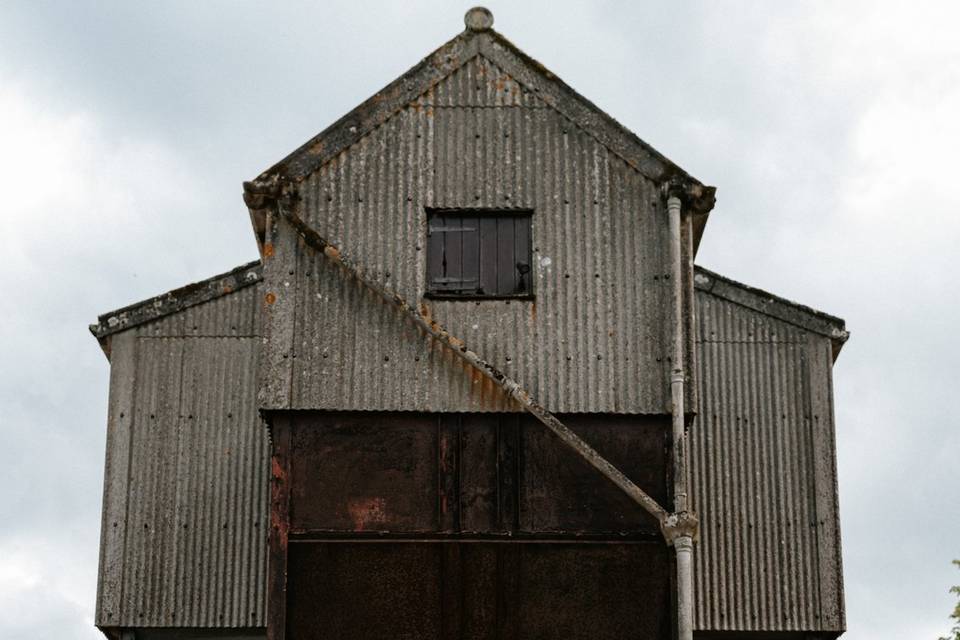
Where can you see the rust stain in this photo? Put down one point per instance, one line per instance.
(268, 250)
(367, 511)
(270, 297)
(425, 312)
(227, 288)
(276, 469)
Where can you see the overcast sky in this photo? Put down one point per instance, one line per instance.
(830, 129)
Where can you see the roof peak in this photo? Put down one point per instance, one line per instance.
(479, 38)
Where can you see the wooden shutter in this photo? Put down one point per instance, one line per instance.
(478, 254)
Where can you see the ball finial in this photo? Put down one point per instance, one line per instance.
(478, 19)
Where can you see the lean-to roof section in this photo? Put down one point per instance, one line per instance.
(774, 306)
(174, 301)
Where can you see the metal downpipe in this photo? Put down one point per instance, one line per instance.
(682, 538)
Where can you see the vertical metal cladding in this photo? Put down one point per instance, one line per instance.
(593, 340)
(194, 513)
(759, 564)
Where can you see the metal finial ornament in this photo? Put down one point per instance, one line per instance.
(478, 19)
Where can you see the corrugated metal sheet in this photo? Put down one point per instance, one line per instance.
(594, 340)
(185, 504)
(763, 475)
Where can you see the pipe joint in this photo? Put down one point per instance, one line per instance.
(683, 543)
(683, 525)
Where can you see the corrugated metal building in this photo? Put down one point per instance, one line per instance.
(477, 127)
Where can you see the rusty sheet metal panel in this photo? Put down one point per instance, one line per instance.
(185, 500)
(764, 475)
(595, 339)
(464, 525)
(469, 473)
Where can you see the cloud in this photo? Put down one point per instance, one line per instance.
(79, 210)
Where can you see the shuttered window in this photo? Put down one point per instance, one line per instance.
(479, 254)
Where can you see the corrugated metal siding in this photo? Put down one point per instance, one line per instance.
(760, 564)
(594, 340)
(185, 508)
(769, 553)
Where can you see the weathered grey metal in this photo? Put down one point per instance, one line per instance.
(511, 388)
(763, 465)
(185, 490)
(595, 339)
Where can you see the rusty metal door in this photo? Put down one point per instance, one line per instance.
(463, 526)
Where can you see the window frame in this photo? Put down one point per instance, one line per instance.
(480, 212)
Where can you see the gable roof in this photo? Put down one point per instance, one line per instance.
(478, 39)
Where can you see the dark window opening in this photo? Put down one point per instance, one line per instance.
(479, 254)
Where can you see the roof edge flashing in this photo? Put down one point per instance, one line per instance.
(774, 306)
(174, 301)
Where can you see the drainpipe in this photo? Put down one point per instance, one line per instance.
(682, 528)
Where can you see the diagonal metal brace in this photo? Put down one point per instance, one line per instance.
(511, 386)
